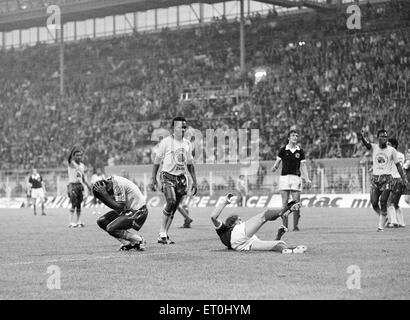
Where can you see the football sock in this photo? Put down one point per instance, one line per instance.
(296, 217)
(382, 220)
(71, 216)
(126, 235)
(168, 225)
(78, 216)
(392, 212)
(279, 246)
(400, 218)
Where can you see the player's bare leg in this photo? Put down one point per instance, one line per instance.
(175, 204)
(391, 210)
(168, 211)
(71, 218)
(383, 209)
(42, 207)
(400, 218)
(374, 199)
(262, 245)
(78, 216)
(395, 199)
(296, 213)
(163, 228)
(119, 228)
(277, 246)
(35, 206)
(183, 210)
(255, 223)
(285, 199)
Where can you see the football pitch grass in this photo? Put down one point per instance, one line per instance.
(198, 266)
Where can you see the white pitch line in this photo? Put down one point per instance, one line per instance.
(84, 259)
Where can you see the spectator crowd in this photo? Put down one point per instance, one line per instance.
(326, 81)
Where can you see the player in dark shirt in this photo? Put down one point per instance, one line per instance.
(290, 182)
(37, 191)
(241, 235)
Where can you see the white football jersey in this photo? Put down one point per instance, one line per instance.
(400, 157)
(95, 177)
(76, 172)
(175, 155)
(128, 192)
(383, 160)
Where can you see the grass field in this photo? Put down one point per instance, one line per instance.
(198, 266)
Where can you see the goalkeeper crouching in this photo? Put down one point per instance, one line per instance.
(129, 211)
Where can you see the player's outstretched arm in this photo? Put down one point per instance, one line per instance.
(276, 164)
(191, 170)
(364, 140)
(402, 173)
(305, 174)
(219, 208)
(70, 157)
(154, 183)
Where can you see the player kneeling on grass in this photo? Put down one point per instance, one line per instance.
(240, 235)
(129, 211)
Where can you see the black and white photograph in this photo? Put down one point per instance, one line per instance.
(199, 156)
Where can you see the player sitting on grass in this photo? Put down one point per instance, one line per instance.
(240, 236)
(129, 211)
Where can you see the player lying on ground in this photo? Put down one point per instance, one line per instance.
(129, 211)
(240, 235)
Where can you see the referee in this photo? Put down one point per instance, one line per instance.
(290, 182)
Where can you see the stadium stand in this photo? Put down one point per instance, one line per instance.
(322, 78)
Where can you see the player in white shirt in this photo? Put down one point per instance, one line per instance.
(406, 168)
(175, 154)
(129, 211)
(183, 207)
(76, 179)
(384, 159)
(394, 213)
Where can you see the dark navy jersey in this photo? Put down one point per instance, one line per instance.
(224, 232)
(35, 181)
(291, 160)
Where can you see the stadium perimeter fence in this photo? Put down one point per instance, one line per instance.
(329, 176)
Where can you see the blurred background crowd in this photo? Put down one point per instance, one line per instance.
(326, 81)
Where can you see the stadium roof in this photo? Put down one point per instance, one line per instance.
(23, 14)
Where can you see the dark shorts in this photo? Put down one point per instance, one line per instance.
(75, 193)
(114, 220)
(381, 183)
(179, 183)
(398, 187)
(138, 217)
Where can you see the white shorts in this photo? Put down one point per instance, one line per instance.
(38, 193)
(290, 182)
(239, 240)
